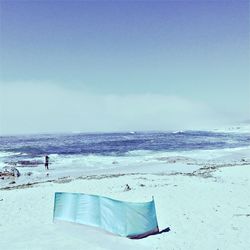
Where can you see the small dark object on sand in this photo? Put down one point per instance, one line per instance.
(12, 182)
(127, 188)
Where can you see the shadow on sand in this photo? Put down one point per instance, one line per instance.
(165, 230)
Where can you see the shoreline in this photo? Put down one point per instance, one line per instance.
(186, 162)
(202, 172)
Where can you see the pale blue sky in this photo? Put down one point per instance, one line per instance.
(192, 51)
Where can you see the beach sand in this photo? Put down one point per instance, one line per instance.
(206, 208)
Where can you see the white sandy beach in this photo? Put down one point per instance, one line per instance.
(208, 208)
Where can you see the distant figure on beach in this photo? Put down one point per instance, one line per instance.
(46, 164)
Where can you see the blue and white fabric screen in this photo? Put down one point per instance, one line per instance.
(134, 220)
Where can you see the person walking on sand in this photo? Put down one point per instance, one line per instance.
(46, 164)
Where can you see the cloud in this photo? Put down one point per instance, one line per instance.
(44, 107)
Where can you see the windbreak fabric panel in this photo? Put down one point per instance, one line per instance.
(123, 218)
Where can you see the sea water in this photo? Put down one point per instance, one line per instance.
(83, 152)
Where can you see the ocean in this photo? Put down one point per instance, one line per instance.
(83, 152)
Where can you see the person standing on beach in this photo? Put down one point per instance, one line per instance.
(46, 164)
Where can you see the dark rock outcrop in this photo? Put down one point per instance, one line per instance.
(10, 171)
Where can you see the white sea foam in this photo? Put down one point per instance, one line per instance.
(7, 154)
(82, 163)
